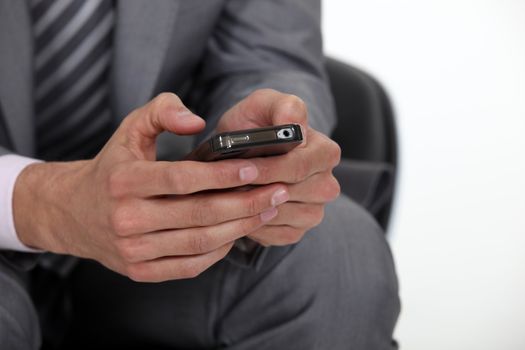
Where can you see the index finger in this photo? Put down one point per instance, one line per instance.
(267, 107)
(319, 155)
(290, 109)
(146, 178)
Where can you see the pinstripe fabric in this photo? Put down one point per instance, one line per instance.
(71, 57)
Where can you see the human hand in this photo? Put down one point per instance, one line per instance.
(306, 170)
(137, 216)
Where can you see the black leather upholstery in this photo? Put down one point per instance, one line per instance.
(367, 135)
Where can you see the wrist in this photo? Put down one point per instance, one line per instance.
(41, 200)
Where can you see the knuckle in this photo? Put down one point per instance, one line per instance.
(159, 100)
(126, 123)
(122, 221)
(116, 184)
(222, 174)
(202, 213)
(296, 102)
(318, 216)
(335, 189)
(332, 188)
(131, 250)
(334, 153)
(200, 243)
(311, 215)
(252, 204)
(174, 178)
(247, 226)
(292, 235)
(300, 171)
(139, 272)
(296, 105)
(225, 250)
(190, 270)
(197, 214)
(128, 126)
(330, 148)
(125, 250)
(266, 173)
(165, 100)
(262, 240)
(262, 93)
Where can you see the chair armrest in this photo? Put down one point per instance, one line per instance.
(370, 184)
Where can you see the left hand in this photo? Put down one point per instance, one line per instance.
(306, 170)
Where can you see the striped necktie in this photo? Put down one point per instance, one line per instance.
(72, 55)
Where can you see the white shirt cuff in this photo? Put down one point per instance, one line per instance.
(11, 166)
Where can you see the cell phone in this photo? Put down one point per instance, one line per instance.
(249, 143)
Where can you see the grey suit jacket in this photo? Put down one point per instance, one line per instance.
(212, 53)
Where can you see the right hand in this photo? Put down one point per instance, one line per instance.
(138, 216)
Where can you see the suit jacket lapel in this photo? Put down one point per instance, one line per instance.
(16, 74)
(142, 33)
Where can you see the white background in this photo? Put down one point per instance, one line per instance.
(455, 70)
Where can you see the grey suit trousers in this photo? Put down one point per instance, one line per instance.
(335, 289)
(19, 328)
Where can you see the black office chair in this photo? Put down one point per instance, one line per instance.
(367, 135)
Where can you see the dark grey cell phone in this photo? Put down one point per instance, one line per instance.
(249, 143)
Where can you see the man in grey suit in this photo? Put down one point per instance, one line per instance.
(237, 269)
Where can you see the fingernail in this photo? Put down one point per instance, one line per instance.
(248, 173)
(279, 197)
(268, 215)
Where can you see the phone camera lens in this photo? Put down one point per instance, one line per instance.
(285, 133)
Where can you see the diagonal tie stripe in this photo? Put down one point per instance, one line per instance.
(51, 15)
(74, 95)
(47, 48)
(79, 115)
(72, 57)
(76, 63)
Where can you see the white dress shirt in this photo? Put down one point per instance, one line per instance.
(10, 167)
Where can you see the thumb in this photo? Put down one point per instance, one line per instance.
(166, 112)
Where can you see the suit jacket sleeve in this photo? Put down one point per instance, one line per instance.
(265, 44)
(5, 141)
(4, 151)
